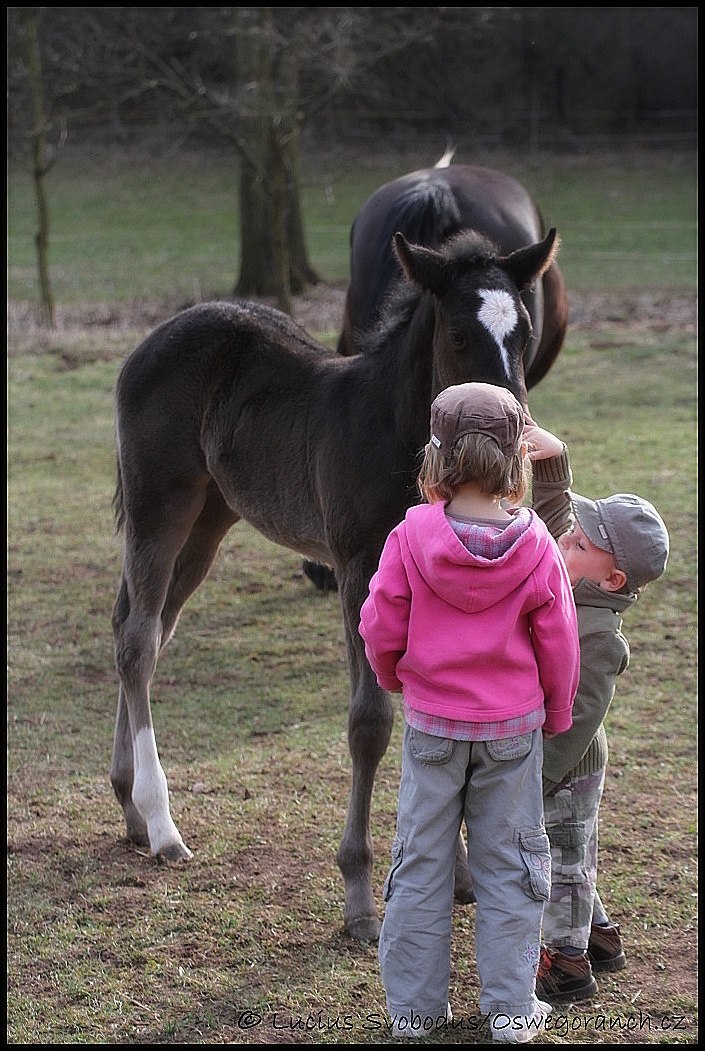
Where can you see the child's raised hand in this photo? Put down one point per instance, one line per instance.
(541, 443)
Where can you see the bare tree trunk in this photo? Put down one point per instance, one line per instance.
(274, 260)
(281, 252)
(301, 273)
(39, 168)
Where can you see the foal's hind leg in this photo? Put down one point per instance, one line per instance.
(122, 768)
(122, 775)
(196, 557)
(144, 617)
(145, 800)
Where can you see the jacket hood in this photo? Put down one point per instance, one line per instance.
(485, 581)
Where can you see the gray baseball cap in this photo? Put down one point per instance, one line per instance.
(631, 529)
(468, 408)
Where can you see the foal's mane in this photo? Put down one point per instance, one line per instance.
(471, 249)
(397, 308)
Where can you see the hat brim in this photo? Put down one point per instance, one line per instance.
(590, 522)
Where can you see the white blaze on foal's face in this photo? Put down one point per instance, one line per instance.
(498, 314)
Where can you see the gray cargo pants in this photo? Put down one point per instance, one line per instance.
(496, 787)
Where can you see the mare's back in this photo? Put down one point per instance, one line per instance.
(428, 206)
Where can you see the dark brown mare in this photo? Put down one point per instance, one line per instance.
(428, 206)
(230, 411)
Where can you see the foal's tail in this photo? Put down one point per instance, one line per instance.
(118, 506)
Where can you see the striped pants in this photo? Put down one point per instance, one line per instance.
(571, 815)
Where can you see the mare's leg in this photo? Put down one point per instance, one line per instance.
(370, 719)
(322, 577)
(164, 563)
(555, 324)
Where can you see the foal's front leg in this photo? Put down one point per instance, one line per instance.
(464, 892)
(370, 720)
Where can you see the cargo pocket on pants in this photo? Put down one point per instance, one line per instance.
(535, 849)
(568, 844)
(397, 858)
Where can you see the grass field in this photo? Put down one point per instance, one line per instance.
(157, 229)
(245, 943)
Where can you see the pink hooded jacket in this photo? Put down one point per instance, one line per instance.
(472, 638)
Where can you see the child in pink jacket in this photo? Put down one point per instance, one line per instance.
(471, 615)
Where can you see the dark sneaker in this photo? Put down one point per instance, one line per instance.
(604, 949)
(564, 979)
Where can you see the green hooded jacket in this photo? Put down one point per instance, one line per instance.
(604, 651)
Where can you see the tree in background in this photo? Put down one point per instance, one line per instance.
(42, 156)
(274, 257)
(291, 63)
(251, 76)
(258, 78)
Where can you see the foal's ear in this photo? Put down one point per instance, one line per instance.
(423, 266)
(526, 265)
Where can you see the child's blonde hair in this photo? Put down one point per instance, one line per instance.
(475, 458)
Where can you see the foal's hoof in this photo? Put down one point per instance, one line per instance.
(174, 852)
(364, 929)
(464, 895)
(137, 837)
(463, 890)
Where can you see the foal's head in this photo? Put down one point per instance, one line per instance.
(482, 326)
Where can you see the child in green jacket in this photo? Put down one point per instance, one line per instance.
(611, 548)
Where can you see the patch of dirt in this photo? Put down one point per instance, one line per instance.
(641, 309)
(320, 309)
